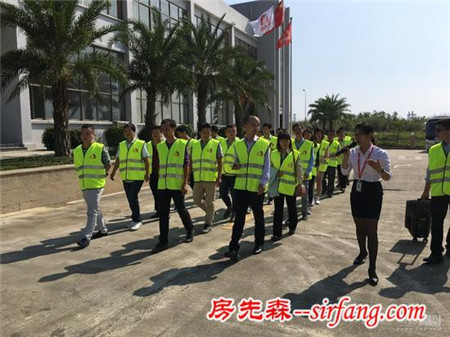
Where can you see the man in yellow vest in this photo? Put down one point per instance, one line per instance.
(306, 150)
(92, 164)
(206, 164)
(333, 148)
(251, 161)
(215, 133)
(438, 183)
(172, 184)
(132, 160)
(156, 138)
(228, 175)
(182, 132)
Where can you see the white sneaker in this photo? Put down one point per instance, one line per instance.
(136, 226)
(317, 201)
(131, 224)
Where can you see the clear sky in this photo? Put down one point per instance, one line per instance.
(380, 55)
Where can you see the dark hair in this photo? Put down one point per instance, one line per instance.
(181, 128)
(155, 127)
(445, 123)
(169, 122)
(88, 126)
(317, 130)
(267, 125)
(131, 126)
(230, 126)
(307, 130)
(296, 125)
(365, 129)
(205, 126)
(341, 129)
(213, 127)
(281, 136)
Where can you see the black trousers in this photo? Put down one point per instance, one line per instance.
(439, 206)
(243, 199)
(154, 188)
(226, 188)
(343, 179)
(164, 198)
(132, 190)
(278, 216)
(331, 173)
(311, 189)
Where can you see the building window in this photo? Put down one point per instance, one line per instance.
(142, 10)
(82, 106)
(115, 9)
(215, 113)
(251, 51)
(176, 109)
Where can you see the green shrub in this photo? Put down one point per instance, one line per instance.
(114, 135)
(48, 138)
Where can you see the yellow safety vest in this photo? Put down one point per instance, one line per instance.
(439, 171)
(305, 151)
(248, 177)
(273, 142)
(132, 166)
(316, 155)
(346, 142)
(150, 156)
(171, 165)
(322, 151)
(288, 181)
(204, 160)
(227, 157)
(333, 149)
(89, 166)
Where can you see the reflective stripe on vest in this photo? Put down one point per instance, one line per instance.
(204, 160)
(171, 165)
(305, 151)
(439, 171)
(150, 157)
(132, 165)
(248, 177)
(288, 181)
(90, 169)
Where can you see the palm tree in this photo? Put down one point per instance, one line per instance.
(157, 64)
(53, 56)
(329, 110)
(205, 54)
(247, 83)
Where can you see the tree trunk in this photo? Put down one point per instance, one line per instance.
(60, 119)
(150, 115)
(239, 119)
(202, 96)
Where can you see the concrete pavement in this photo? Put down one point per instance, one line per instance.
(116, 288)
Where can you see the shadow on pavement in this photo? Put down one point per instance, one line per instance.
(331, 287)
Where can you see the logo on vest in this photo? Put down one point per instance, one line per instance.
(304, 152)
(93, 156)
(209, 150)
(136, 150)
(291, 165)
(176, 154)
(260, 153)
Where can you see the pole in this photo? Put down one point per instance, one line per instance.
(304, 90)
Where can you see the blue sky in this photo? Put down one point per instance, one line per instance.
(380, 55)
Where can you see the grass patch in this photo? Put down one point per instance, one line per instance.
(31, 162)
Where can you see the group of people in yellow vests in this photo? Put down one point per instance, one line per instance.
(244, 170)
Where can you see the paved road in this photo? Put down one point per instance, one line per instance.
(116, 288)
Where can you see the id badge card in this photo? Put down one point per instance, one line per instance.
(358, 186)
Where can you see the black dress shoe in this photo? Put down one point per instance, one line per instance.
(433, 259)
(98, 235)
(360, 259)
(291, 232)
(233, 255)
(207, 228)
(373, 278)
(275, 238)
(159, 248)
(257, 250)
(189, 236)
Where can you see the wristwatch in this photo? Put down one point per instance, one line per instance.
(381, 172)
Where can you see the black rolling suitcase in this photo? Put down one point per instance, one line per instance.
(418, 218)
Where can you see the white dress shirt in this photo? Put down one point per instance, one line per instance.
(369, 174)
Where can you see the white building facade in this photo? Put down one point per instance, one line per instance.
(24, 119)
